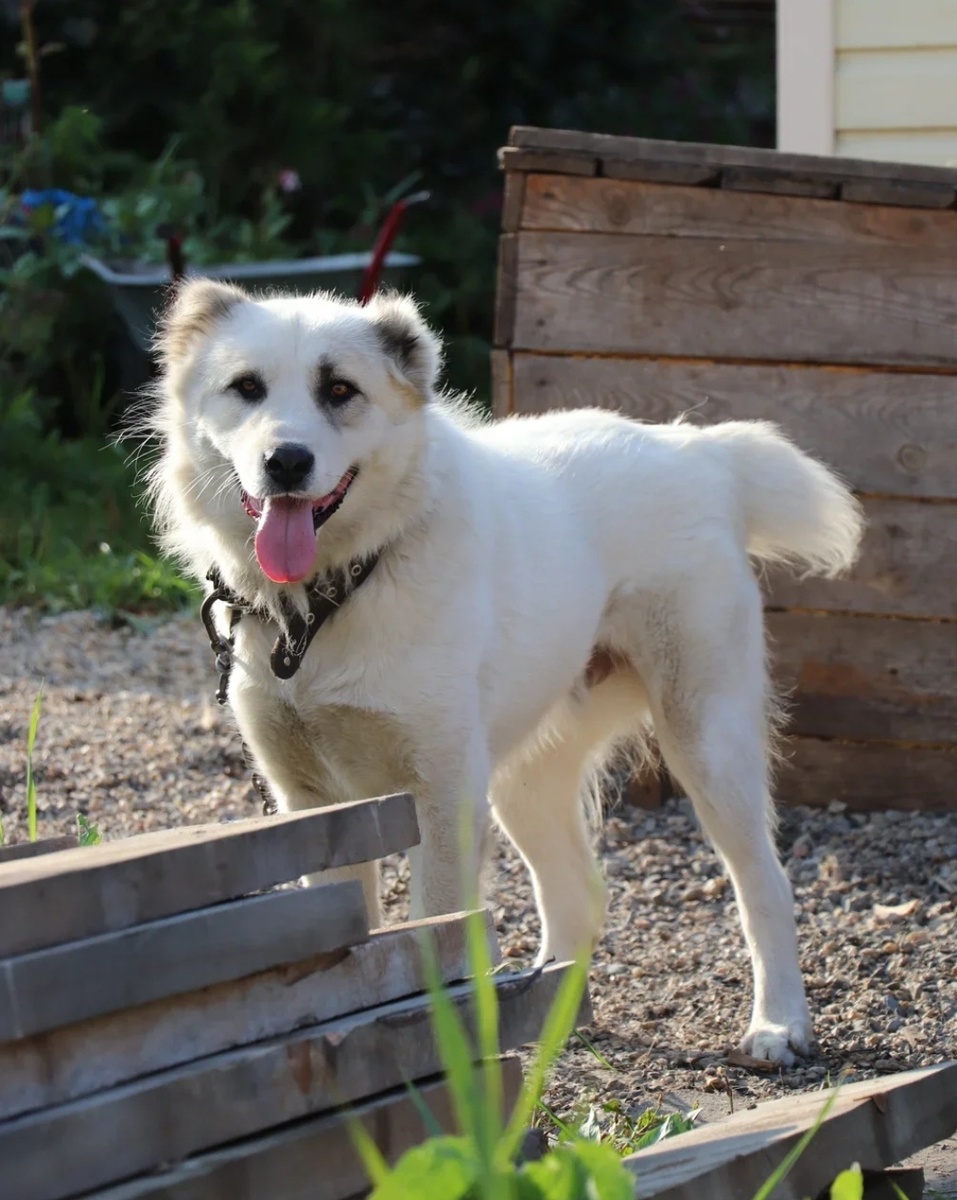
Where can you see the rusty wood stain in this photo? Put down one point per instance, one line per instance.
(299, 1056)
(296, 972)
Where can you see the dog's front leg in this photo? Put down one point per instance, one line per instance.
(453, 814)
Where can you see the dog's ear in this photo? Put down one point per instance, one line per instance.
(195, 306)
(407, 341)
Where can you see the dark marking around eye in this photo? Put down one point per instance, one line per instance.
(249, 386)
(332, 389)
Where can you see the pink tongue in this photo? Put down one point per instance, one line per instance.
(286, 539)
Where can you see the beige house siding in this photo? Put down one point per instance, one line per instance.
(879, 75)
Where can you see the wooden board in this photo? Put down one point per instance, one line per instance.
(313, 1159)
(867, 677)
(610, 150)
(20, 850)
(97, 889)
(120, 1133)
(908, 566)
(513, 200)
(567, 203)
(885, 431)
(867, 776)
(94, 1055)
(750, 300)
(876, 1123)
(63, 984)
(501, 372)
(899, 192)
(505, 290)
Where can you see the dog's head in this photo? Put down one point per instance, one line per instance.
(277, 411)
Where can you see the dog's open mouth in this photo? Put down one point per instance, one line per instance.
(287, 527)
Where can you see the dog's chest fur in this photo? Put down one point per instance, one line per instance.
(331, 753)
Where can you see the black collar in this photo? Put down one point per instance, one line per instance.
(325, 595)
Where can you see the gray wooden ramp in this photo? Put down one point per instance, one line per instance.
(876, 1124)
(312, 1159)
(20, 850)
(65, 984)
(98, 889)
(117, 1134)
(91, 1056)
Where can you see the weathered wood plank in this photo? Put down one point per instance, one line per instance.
(286, 1164)
(513, 160)
(885, 431)
(867, 776)
(649, 171)
(697, 154)
(21, 850)
(563, 202)
(118, 1134)
(867, 677)
(876, 1123)
(64, 984)
(777, 182)
(501, 383)
(513, 200)
(505, 290)
(898, 191)
(98, 889)
(907, 567)
(747, 300)
(94, 1055)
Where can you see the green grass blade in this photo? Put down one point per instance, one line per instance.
(489, 1116)
(557, 1029)
(487, 1031)
(767, 1189)
(426, 1115)
(455, 1049)
(31, 781)
(372, 1159)
(568, 1132)
(595, 1053)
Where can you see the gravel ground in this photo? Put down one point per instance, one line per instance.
(130, 736)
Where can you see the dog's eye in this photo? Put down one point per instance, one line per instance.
(340, 391)
(249, 386)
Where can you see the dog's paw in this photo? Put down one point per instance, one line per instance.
(779, 1044)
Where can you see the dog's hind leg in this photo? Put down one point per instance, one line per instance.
(707, 685)
(539, 800)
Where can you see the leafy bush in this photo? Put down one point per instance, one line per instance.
(70, 535)
(357, 97)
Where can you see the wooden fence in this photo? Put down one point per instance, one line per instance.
(664, 278)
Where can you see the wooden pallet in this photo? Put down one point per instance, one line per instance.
(875, 1124)
(171, 1028)
(665, 278)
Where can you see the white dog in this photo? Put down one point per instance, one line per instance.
(545, 589)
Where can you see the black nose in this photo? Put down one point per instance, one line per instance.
(289, 465)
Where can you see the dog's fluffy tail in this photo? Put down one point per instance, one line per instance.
(795, 510)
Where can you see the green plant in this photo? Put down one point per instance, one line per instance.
(87, 834)
(480, 1163)
(31, 779)
(609, 1121)
(71, 535)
